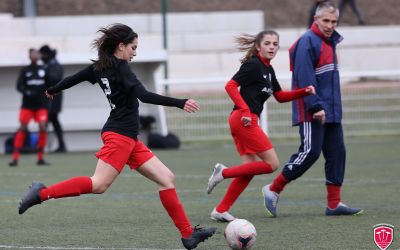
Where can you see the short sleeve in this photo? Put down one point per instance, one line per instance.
(247, 73)
(129, 78)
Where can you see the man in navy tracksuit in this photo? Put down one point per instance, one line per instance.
(313, 61)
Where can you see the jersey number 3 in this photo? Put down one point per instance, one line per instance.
(107, 91)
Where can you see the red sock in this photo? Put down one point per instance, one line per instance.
(279, 183)
(18, 143)
(171, 203)
(252, 168)
(333, 195)
(41, 143)
(72, 187)
(232, 193)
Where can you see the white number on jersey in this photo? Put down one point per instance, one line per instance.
(107, 91)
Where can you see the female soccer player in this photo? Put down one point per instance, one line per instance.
(116, 47)
(257, 81)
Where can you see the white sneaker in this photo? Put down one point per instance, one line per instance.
(216, 177)
(270, 200)
(221, 217)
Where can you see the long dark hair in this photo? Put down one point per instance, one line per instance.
(108, 42)
(248, 43)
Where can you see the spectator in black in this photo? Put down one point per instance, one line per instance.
(354, 8)
(54, 74)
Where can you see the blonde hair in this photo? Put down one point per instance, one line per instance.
(248, 43)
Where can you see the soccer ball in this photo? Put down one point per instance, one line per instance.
(240, 234)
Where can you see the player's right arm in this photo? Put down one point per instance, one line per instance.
(244, 75)
(70, 81)
(21, 82)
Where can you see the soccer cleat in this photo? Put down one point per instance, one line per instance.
(60, 150)
(42, 162)
(198, 235)
(343, 209)
(270, 200)
(216, 177)
(221, 217)
(31, 198)
(13, 163)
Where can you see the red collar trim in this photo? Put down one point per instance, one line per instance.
(265, 61)
(317, 31)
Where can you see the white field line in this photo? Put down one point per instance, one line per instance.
(74, 248)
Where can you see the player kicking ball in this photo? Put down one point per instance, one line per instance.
(116, 47)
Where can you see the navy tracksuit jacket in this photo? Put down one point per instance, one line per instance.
(313, 61)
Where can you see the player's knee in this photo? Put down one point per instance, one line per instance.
(170, 178)
(168, 181)
(100, 187)
(274, 164)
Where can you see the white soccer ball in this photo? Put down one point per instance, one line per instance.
(240, 234)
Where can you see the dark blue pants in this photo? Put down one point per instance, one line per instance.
(316, 138)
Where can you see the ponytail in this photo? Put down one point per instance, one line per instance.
(248, 43)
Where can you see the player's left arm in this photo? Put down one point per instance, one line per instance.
(287, 96)
(189, 105)
(70, 81)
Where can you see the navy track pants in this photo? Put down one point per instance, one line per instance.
(316, 138)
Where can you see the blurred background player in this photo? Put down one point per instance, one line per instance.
(116, 48)
(354, 8)
(54, 74)
(319, 117)
(257, 81)
(32, 84)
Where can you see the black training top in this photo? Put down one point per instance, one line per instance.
(122, 89)
(257, 83)
(32, 84)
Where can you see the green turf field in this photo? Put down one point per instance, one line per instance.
(130, 216)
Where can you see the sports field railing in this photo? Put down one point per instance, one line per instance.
(370, 107)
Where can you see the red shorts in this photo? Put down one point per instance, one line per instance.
(119, 150)
(26, 115)
(250, 139)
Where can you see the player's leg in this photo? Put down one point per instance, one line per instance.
(236, 187)
(53, 118)
(157, 172)
(41, 117)
(103, 177)
(268, 164)
(335, 159)
(112, 158)
(25, 116)
(249, 140)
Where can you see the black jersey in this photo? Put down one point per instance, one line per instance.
(122, 89)
(32, 84)
(257, 83)
(54, 74)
